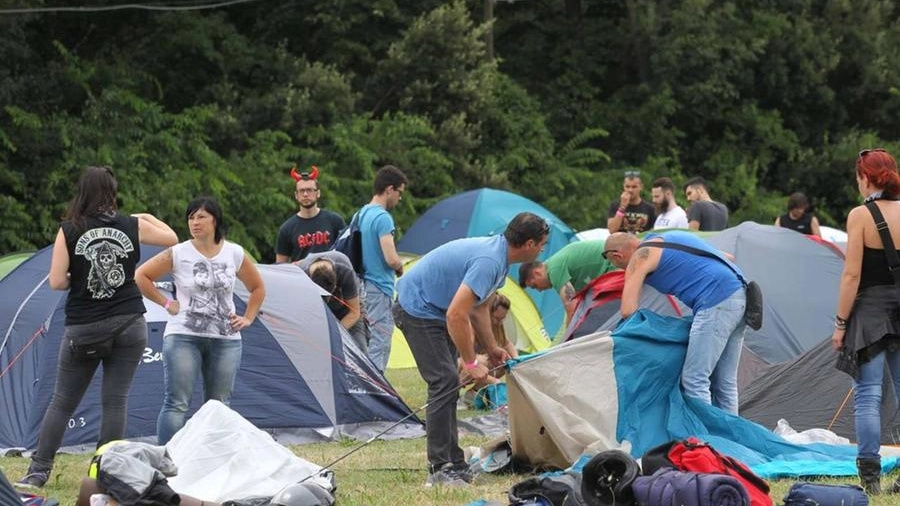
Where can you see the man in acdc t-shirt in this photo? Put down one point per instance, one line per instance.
(311, 229)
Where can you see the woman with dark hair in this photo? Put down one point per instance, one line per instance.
(203, 332)
(94, 257)
(867, 325)
(798, 217)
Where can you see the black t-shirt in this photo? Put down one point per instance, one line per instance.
(803, 225)
(638, 217)
(298, 237)
(347, 285)
(102, 260)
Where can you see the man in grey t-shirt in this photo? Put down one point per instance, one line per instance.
(705, 214)
(333, 271)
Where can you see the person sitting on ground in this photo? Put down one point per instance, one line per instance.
(798, 216)
(500, 306)
(705, 214)
(333, 272)
(567, 271)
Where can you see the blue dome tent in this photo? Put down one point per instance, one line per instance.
(485, 212)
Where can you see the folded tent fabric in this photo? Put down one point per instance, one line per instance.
(669, 487)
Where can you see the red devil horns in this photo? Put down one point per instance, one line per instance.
(305, 176)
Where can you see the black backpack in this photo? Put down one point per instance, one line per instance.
(349, 242)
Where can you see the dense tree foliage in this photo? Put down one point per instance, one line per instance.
(762, 98)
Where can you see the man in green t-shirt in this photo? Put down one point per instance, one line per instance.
(567, 271)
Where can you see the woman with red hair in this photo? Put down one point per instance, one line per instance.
(867, 322)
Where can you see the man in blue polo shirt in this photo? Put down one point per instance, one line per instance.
(713, 292)
(441, 310)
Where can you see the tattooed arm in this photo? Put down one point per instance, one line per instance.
(643, 261)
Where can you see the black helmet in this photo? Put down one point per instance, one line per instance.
(607, 478)
(302, 494)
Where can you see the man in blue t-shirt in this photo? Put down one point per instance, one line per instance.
(381, 262)
(709, 287)
(441, 310)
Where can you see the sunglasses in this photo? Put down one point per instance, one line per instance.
(607, 252)
(865, 152)
(632, 173)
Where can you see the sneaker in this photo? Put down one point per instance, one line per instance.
(34, 480)
(447, 476)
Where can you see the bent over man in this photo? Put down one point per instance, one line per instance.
(713, 292)
(442, 308)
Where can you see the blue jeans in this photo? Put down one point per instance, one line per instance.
(183, 358)
(74, 376)
(713, 352)
(867, 397)
(381, 325)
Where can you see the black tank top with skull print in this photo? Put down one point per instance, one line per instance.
(102, 260)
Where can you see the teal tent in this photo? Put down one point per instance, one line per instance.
(485, 212)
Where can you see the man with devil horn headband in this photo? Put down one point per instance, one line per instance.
(311, 229)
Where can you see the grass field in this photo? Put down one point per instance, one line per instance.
(384, 473)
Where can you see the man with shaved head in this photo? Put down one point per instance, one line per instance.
(712, 290)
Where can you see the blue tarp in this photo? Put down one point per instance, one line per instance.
(648, 353)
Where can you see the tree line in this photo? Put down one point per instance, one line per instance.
(761, 98)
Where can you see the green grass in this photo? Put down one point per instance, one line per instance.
(384, 473)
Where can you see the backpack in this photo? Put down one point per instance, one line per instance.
(349, 242)
(692, 454)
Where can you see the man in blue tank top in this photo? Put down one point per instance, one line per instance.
(713, 292)
(441, 309)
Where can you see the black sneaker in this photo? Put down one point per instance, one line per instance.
(34, 480)
(446, 476)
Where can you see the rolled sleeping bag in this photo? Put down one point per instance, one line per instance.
(670, 487)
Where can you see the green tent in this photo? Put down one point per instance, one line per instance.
(523, 326)
(11, 261)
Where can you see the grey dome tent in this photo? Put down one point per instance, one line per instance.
(301, 377)
(787, 367)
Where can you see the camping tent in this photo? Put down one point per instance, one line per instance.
(606, 391)
(799, 279)
(486, 212)
(11, 261)
(301, 377)
(592, 234)
(523, 325)
(787, 367)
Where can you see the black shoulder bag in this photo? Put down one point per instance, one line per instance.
(753, 313)
(100, 345)
(890, 252)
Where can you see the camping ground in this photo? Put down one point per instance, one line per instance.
(384, 473)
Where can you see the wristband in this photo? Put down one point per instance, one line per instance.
(471, 366)
(168, 304)
(620, 213)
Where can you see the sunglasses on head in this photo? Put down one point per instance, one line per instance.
(632, 173)
(865, 152)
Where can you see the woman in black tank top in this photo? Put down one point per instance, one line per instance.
(798, 217)
(867, 325)
(94, 258)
